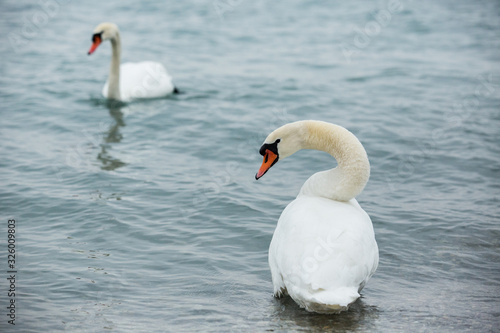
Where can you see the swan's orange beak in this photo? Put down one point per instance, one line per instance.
(96, 41)
(270, 159)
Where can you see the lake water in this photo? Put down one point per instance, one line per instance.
(146, 217)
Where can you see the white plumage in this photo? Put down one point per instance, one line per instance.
(145, 79)
(323, 250)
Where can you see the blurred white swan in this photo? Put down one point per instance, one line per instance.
(145, 79)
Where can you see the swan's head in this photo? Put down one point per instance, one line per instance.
(102, 32)
(281, 143)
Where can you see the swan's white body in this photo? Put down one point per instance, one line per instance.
(323, 250)
(131, 80)
(145, 79)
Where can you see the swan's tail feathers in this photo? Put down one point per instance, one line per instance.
(176, 91)
(334, 301)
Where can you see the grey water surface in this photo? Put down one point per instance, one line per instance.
(146, 217)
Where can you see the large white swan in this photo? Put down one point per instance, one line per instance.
(145, 79)
(323, 250)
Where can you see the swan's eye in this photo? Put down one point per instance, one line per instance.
(97, 37)
(273, 147)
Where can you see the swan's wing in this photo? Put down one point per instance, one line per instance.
(144, 80)
(324, 250)
(279, 288)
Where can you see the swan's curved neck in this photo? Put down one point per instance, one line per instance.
(114, 70)
(349, 178)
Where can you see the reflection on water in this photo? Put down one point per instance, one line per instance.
(359, 315)
(113, 135)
